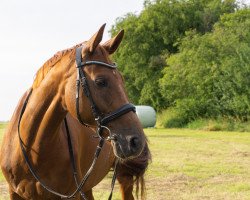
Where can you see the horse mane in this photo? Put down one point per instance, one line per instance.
(49, 64)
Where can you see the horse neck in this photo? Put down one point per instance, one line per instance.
(45, 111)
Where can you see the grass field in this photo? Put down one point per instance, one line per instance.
(189, 165)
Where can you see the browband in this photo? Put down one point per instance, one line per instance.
(79, 62)
(94, 62)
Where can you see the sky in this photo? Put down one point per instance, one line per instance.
(33, 31)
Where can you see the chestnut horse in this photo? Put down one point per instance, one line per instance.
(39, 119)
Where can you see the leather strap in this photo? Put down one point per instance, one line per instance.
(113, 180)
(77, 100)
(72, 157)
(117, 113)
(81, 79)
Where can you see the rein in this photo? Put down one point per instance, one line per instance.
(101, 125)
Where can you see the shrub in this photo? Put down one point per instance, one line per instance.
(209, 77)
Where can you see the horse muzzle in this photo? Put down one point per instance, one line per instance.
(128, 146)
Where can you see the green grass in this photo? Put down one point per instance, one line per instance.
(192, 165)
(3, 188)
(170, 119)
(2, 128)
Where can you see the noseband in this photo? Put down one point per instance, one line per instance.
(81, 78)
(101, 122)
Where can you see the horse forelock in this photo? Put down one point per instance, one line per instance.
(105, 53)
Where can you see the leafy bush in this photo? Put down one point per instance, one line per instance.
(209, 77)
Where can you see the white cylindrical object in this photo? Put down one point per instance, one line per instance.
(146, 115)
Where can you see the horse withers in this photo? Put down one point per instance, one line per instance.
(76, 93)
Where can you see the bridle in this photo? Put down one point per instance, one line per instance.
(81, 79)
(101, 122)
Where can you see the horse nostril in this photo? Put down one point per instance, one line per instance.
(134, 142)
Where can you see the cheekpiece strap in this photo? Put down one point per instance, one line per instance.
(79, 57)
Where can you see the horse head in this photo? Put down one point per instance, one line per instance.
(103, 95)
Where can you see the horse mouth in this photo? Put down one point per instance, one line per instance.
(126, 152)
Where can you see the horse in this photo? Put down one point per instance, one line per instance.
(54, 114)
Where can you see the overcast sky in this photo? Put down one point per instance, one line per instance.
(32, 31)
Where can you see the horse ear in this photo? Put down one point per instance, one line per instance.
(112, 44)
(95, 39)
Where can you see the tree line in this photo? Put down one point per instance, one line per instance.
(190, 56)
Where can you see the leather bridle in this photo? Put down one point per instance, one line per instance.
(82, 79)
(101, 123)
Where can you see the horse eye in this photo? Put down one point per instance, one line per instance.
(101, 82)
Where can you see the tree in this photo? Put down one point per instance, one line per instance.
(154, 34)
